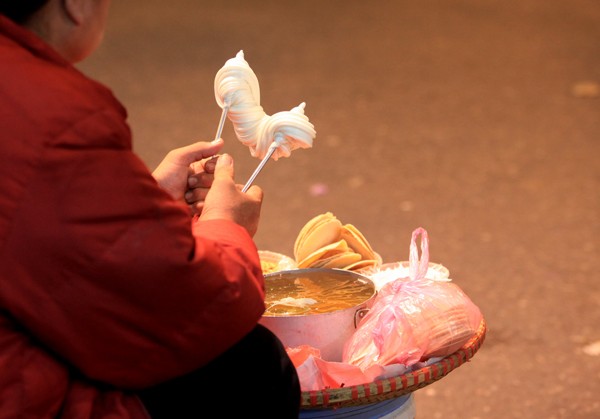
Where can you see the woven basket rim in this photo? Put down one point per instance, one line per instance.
(396, 386)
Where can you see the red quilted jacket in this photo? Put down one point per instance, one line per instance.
(106, 284)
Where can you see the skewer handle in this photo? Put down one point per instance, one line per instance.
(274, 145)
(222, 121)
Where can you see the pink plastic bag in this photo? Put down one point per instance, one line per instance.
(413, 319)
(315, 373)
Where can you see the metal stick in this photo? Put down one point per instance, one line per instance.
(222, 120)
(274, 145)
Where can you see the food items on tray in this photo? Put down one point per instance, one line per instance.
(274, 262)
(325, 242)
(417, 315)
(268, 266)
(237, 90)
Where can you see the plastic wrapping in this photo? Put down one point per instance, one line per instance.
(413, 319)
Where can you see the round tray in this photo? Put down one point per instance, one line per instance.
(394, 386)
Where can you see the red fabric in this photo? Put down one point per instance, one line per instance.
(106, 284)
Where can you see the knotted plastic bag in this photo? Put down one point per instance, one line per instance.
(413, 319)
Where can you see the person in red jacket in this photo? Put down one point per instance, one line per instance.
(124, 293)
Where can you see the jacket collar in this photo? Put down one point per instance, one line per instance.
(30, 41)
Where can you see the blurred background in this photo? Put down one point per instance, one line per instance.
(478, 120)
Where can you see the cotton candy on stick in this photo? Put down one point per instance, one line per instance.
(237, 92)
(278, 135)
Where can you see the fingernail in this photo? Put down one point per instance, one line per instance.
(192, 181)
(188, 196)
(225, 159)
(216, 141)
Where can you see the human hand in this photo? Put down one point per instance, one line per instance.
(199, 181)
(196, 161)
(225, 199)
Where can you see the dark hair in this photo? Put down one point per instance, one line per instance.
(20, 10)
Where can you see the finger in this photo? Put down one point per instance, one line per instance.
(255, 192)
(204, 165)
(200, 180)
(210, 164)
(224, 167)
(196, 208)
(187, 155)
(193, 196)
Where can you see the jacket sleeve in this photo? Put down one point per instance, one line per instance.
(115, 277)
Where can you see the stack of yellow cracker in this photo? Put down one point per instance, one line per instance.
(324, 242)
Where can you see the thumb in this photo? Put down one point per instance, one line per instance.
(224, 167)
(197, 151)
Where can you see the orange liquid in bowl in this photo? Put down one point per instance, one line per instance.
(314, 291)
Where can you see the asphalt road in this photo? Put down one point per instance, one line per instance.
(476, 120)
